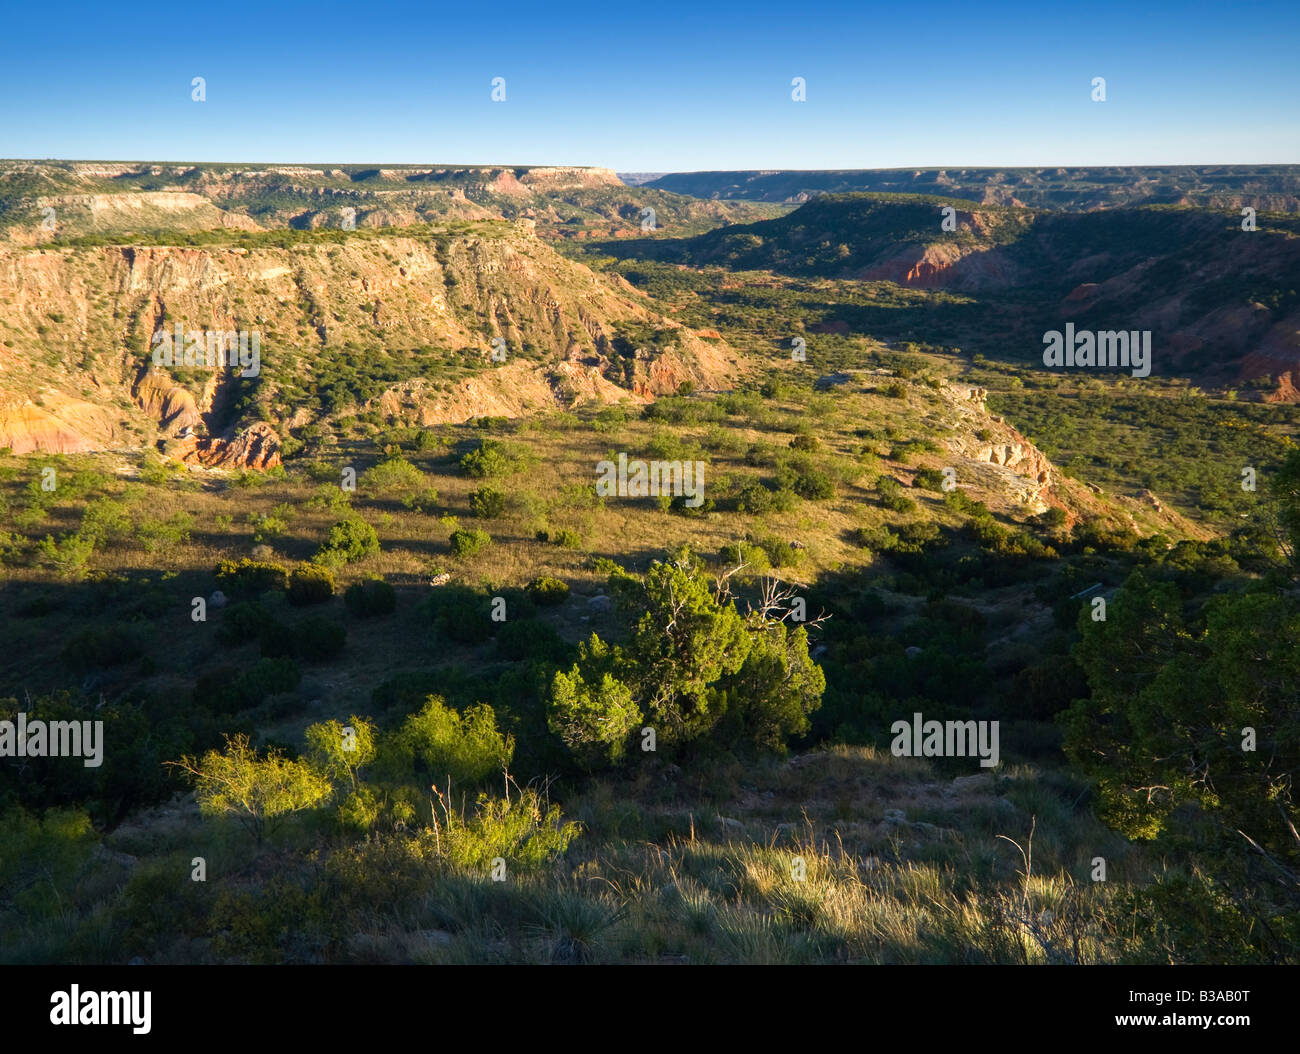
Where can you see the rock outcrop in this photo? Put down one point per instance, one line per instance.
(60, 424)
(257, 447)
(81, 321)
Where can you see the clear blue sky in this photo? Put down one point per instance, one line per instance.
(668, 86)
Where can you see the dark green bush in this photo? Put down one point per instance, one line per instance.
(814, 485)
(467, 618)
(780, 553)
(230, 689)
(276, 640)
(548, 591)
(370, 598)
(756, 498)
(489, 458)
(929, 479)
(242, 622)
(752, 556)
(318, 639)
(679, 506)
(487, 503)
(97, 647)
(249, 577)
(310, 584)
(566, 538)
(531, 639)
(348, 540)
(466, 543)
(892, 496)
(1051, 518)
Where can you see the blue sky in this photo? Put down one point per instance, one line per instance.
(668, 86)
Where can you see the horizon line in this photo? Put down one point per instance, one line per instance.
(659, 171)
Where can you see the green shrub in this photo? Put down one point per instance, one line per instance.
(487, 503)
(609, 419)
(682, 507)
(441, 743)
(231, 689)
(814, 485)
(594, 717)
(348, 540)
(779, 552)
(329, 496)
(548, 591)
(800, 475)
(465, 617)
(217, 691)
(276, 640)
(267, 525)
(958, 501)
(423, 500)
(174, 530)
(755, 498)
(249, 577)
(310, 584)
(892, 496)
(318, 639)
(269, 677)
(526, 830)
(395, 475)
(105, 520)
(489, 458)
(754, 557)
(929, 479)
(97, 647)
(370, 598)
(869, 537)
(256, 792)
(1051, 518)
(242, 622)
(465, 543)
(566, 538)
(533, 640)
(68, 556)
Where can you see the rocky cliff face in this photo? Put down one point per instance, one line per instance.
(76, 368)
(1016, 466)
(58, 423)
(1271, 187)
(255, 447)
(997, 464)
(945, 265)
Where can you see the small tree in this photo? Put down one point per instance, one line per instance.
(339, 751)
(683, 643)
(487, 503)
(778, 686)
(348, 541)
(465, 748)
(594, 718)
(255, 791)
(310, 584)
